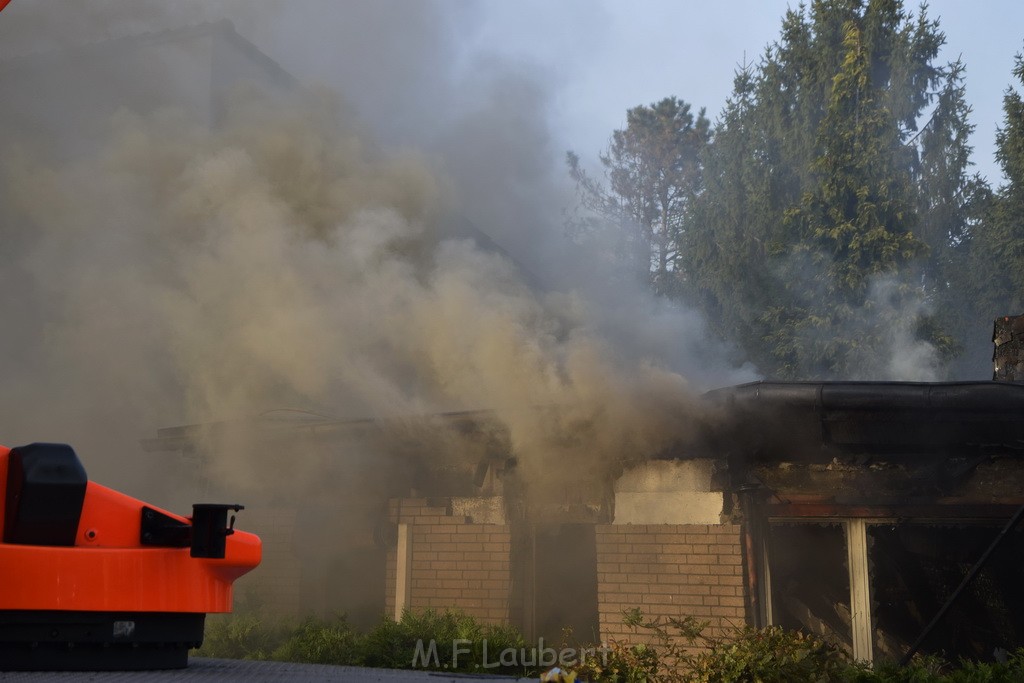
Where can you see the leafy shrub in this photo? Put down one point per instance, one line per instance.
(322, 641)
(683, 653)
(933, 669)
(394, 644)
(679, 651)
(390, 644)
(621, 662)
(245, 636)
(772, 655)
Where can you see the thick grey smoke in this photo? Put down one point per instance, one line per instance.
(294, 255)
(880, 337)
(903, 354)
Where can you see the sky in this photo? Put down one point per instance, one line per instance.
(600, 55)
(588, 60)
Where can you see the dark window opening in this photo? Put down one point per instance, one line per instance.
(565, 582)
(916, 567)
(810, 581)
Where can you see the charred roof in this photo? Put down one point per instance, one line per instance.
(795, 421)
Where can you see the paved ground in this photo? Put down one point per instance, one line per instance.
(240, 671)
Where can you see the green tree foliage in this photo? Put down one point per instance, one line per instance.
(830, 218)
(858, 215)
(951, 204)
(950, 195)
(653, 171)
(996, 260)
(855, 221)
(733, 224)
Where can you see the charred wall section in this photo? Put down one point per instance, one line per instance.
(1008, 352)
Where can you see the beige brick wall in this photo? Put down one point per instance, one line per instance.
(454, 562)
(669, 570)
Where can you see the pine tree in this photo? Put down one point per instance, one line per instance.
(725, 247)
(790, 241)
(653, 168)
(997, 247)
(951, 202)
(855, 223)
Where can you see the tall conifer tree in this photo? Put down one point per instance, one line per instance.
(790, 242)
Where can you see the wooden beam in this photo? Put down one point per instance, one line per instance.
(961, 511)
(860, 589)
(403, 571)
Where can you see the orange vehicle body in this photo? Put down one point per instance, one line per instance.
(109, 570)
(94, 580)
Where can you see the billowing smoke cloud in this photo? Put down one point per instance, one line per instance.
(273, 263)
(170, 272)
(882, 337)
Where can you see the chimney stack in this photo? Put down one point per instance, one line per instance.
(1008, 354)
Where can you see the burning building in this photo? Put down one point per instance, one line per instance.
(854, 510)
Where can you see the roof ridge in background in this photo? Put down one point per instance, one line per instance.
(223, 26)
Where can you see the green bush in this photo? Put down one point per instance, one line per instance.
(672, 651)
(390, 644)
(936, 670)
(683, 653)
(394, 644)
(772, 655)
(320, 641)
(245, 636)
(621, 662)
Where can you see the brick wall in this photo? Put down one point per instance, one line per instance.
(454, 562)
(669, 570)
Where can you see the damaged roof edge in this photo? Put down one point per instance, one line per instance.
(779, 420)
(184, 436)
(970, 397)
(809, 420)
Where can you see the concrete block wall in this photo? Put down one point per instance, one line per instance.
(453, 562)
(669, 570)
